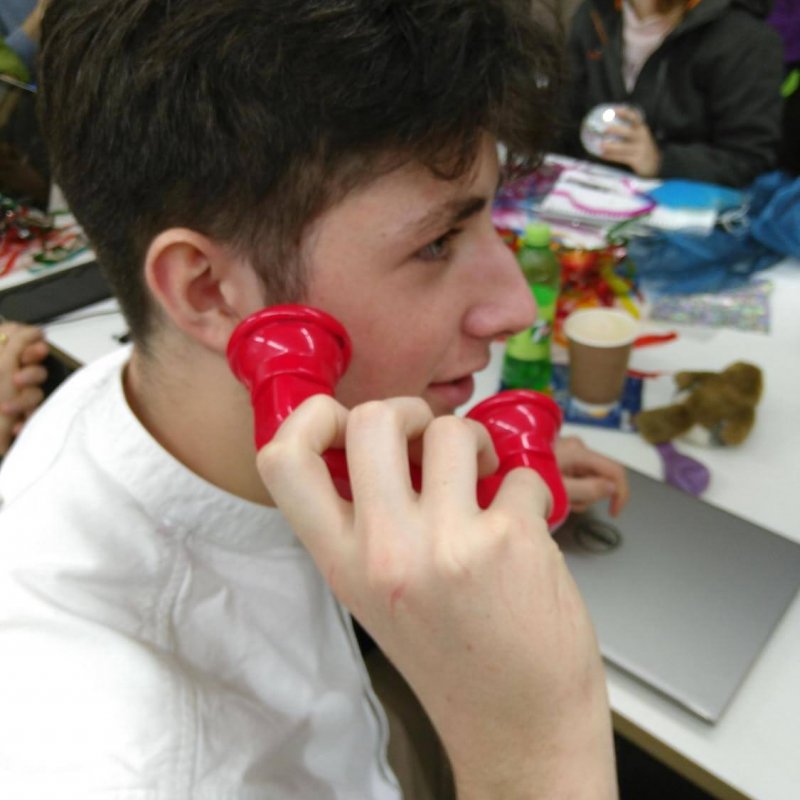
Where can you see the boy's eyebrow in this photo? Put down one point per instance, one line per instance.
(453, 212)
(448, 214)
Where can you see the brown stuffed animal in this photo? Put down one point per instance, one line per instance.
(711, 407)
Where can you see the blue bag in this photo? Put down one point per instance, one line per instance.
(763, 231)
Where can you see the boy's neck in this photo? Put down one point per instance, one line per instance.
(644, 8)
(197, 411)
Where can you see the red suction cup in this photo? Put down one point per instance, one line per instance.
(523, 425)
(283, 355)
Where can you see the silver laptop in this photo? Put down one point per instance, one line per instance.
(683, 595)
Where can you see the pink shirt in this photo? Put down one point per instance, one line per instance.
(641, 37)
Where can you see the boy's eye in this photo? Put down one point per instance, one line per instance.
(439, 248)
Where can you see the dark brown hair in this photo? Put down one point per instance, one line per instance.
(245, 119)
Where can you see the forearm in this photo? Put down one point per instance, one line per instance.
(33, 24)
(576, 763)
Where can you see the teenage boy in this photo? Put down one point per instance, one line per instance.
(164, 633)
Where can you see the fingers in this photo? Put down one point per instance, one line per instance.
(23, 402)
(598, 478)
(377, 450)
(636, 148)
(590, 476)
(456, 452)
(34, 353)
(619, 498)
(297, 478)
(30, 376)
(622, 133)
(522, 490)
(376, 436)
(16, 338)
(629, 115)
(584, 492)
(620, 150)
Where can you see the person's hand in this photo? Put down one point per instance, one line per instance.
(635, 146)
(476, 608)
(19, 178)
(590, 477)
(33, 24)
(22, 349)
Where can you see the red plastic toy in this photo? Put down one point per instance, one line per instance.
(523, 425)
(286, 354)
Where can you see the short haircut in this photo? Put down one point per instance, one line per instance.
(245, 119)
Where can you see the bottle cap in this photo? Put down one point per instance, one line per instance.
(537, 234)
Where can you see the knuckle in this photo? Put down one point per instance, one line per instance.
(385, 570)
(503, 524)
(374, 413)
(451, 427)
(319, 404)
(272, 458)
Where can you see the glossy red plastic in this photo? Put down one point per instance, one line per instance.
(285, 354)
(523, 425)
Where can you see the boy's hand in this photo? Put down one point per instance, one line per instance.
(590, 477)
(22, 349)
(476, 608)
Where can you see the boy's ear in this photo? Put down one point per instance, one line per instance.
(200, 285)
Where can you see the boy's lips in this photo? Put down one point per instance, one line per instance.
(451, 394)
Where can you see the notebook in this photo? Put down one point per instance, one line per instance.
(683, 595)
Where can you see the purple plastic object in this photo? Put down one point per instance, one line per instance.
(682, 471)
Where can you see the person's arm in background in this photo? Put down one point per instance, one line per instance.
(475, 608)
(745, 105)
(22, 349)
(21, 45)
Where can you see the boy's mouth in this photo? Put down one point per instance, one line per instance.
(449, 395)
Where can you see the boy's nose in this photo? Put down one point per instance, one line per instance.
(506, 305)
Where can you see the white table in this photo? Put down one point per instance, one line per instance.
(87, 334)
(753, 750)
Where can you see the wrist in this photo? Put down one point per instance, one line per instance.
(574, 759)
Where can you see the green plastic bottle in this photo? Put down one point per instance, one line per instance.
(527, 363)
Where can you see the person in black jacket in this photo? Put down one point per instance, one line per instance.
(704, 76)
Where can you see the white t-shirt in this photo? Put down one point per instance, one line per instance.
(160, 638)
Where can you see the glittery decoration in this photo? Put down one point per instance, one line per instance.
(34, 241)
(745, 308)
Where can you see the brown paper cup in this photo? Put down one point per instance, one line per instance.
(599, 341)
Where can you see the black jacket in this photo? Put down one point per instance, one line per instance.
(710, 92)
